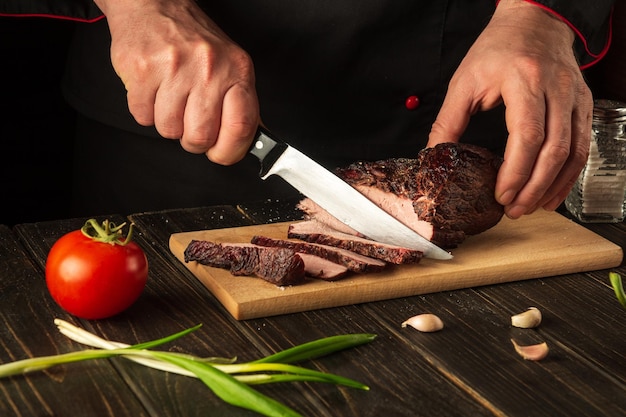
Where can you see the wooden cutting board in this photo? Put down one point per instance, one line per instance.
(540, 245)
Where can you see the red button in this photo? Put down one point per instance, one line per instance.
(412, 102)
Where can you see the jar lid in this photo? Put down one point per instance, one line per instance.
(609, 110)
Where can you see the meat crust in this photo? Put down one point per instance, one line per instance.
(456, 188)
(279, 266)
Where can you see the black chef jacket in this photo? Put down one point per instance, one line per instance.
(332, 78)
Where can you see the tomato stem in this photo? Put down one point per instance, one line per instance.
(108, 232)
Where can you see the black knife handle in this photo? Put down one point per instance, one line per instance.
(267, 148)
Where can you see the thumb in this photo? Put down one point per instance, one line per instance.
(453, 118)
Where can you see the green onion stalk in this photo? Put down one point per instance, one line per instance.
(618, 287)
(229, 380)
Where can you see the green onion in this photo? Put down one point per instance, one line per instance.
(230, 381)
(616, 282)
(318, 348)
(232, 391)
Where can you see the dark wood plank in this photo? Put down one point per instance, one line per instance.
(172, 301)
(402, 381)
(341, 401)
(469, 368)
(583, 325)
(584, 373)
(38, 238)
(580, 313)
(271, 211)
(390, 367)
(27, 312)
(475, 351)
(159, 225)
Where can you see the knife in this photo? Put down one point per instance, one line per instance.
(336, 196)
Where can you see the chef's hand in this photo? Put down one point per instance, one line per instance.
(184, 76)
(524, 59)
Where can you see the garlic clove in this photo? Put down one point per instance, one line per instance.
(424, 323)
(532, 352)
(528, 319)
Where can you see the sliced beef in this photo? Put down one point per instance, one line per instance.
(445, 194)
(321, 268)
(314, 212)
(353, 261)
(315, 232)
(279, 266)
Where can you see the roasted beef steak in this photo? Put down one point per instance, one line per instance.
(445, 194)
(456, 188)
(279, 266)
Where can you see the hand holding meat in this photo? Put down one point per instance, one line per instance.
(524, 59)
(184, 75)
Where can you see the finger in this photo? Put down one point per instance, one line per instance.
(579, 152)
(453, 117)
(239, 122)
(550, 160)
(169, 109)
(141, 98)
(525, 115)
(563, 184)
(202, 116)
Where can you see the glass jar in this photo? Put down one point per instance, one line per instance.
(599, 193)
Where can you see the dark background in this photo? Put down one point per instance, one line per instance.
(36, 125)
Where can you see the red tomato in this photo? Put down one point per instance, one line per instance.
(93, 279)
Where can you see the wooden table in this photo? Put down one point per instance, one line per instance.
(468, 369)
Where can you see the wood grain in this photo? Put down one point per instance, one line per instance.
(166, 306)
(541, 245)
(467, 369)
(26, 330)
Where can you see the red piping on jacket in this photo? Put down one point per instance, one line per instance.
(597, 57)
(52, 16)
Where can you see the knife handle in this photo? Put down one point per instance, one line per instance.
(267, 148)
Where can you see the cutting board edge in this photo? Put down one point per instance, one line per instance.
(242, 309)
(602, 255)
(228, 301)
(243, 312)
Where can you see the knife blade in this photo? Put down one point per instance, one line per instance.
(336, 196)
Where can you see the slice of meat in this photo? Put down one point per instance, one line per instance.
(445, 194)
(315, 232)
(312, 211)
(353, 261)
(321, 268)
(280, 266)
